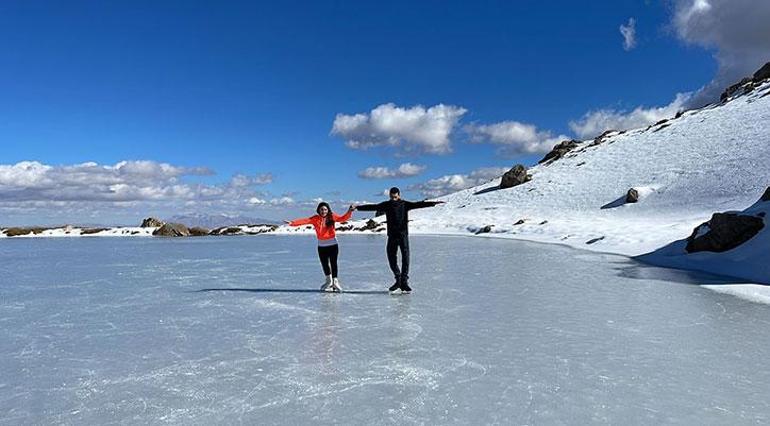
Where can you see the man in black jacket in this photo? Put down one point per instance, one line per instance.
(397, 215)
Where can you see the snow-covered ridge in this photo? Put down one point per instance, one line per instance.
(74, 231)
(703, 161)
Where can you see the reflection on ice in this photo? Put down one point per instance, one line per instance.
(229, 330)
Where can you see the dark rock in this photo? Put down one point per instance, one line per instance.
(16, 231)
(152, 222)
(725, 231)
(762, 73)
(197, 231)
(485, 230)
(761, 214)
(89, 231)
(516, 176)
(519, 222)
(732, 90)
(661, 122)
(599, 139)
(679, 114)
(369, 226)
(559, 151)
(766, 195)
(632, 196)
(595, 240)
(172, 230)
(543, 222)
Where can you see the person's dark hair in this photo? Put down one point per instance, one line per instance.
(395, 190)
(329, 217)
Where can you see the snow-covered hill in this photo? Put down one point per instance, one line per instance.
(709, 160)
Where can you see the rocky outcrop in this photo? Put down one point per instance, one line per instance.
(735, 88)
(152, 222)
(172, 230)
(747, 84)
(197, 231)
(19, 231)
(516, 176)
(632, 196)
(725, 231)
(762, 73)
(558, 151)
(601, 138)
(90, 231)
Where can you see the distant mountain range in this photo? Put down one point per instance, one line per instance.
(212, 221)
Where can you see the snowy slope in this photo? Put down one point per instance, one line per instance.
(708, 160)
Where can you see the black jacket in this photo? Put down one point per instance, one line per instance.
(397, 213)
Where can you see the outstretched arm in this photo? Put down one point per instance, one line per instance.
(411, 205)
(371, 207)
(299, 222)
(345, 217)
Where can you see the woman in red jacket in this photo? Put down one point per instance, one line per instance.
(328, 249)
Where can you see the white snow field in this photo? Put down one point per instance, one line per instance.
(710, 160)
(217, 330)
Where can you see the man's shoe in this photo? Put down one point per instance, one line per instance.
(405, 287)
(394, 287)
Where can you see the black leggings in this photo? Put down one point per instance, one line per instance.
(328, 255)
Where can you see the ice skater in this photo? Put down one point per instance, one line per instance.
(397, 216)
(328, 248)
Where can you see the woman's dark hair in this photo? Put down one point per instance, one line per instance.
(329, 216)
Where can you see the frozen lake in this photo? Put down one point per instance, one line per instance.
(231, 330)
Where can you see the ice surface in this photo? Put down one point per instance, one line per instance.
(231, 330)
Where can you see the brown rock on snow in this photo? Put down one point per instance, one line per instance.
(152, 222)
(725, 231)
(516, 176)
(172, 230)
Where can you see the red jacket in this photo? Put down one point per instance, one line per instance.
(322, 231)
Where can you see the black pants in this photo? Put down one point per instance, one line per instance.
(328, 256)
(396, 242)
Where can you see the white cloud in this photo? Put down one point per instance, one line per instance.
(514, 137)
(282, 201)
(629, 34)
(594, 123)
(737, 30)
(457, 182)
(256, 201)
(412, 129)
(243, 181)
(125, 183)
(404, 170)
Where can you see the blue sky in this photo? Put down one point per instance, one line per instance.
(254, 87)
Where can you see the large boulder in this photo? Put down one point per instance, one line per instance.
(197, 231)
(762, 73)
(172, 230)
(516, 176)
(152, 222)
(725, 231)
(558, 151)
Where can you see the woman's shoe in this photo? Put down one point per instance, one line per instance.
(327, 286)
(336, 285)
